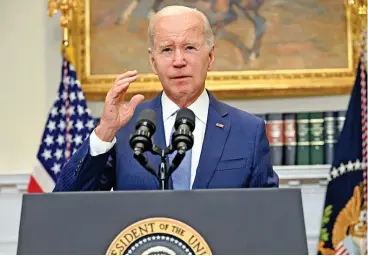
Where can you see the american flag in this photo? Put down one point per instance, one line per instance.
(69, 123)
(344, 221)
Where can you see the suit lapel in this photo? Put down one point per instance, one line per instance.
(217, 130)
(158, 137)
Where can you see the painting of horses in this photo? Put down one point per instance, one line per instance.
(252, 35)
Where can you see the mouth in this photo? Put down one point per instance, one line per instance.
(180, 77)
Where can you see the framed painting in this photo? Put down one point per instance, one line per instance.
(263, 48)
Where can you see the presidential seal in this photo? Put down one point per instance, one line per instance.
(349, 232)
(159, 236)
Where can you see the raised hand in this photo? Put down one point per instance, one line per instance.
(117, 113)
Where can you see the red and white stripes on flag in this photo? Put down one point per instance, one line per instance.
(69, 123)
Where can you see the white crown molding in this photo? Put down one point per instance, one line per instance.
(14, 182)
(18, 181)
(300, 172)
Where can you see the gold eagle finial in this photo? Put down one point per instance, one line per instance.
(66, 8)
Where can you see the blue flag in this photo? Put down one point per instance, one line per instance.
(344, 221)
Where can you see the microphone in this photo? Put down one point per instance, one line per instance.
(140, 141)
(182, 139)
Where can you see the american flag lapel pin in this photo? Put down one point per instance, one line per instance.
(219, 125)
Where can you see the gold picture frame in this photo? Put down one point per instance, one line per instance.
(224, 84)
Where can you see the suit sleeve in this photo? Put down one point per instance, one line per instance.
(263, 173)
(84, 172)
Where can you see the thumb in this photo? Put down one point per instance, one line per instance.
(135, 100)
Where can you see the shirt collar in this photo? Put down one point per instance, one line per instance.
(199, 107)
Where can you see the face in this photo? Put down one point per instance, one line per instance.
(180, 56)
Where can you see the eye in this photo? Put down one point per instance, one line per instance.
(190, 48)
(166, 50)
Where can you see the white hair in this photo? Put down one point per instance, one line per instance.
(176, 10)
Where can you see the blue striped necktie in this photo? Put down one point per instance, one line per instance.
(181, 176)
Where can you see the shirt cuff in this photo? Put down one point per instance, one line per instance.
(98, 146)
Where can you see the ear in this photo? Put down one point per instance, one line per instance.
(211, 56)
(152, 61)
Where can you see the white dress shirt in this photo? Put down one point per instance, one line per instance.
(200, 109)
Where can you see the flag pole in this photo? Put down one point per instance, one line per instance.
(66, 8)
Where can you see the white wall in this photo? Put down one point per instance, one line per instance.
(29, 77)
(23, 82)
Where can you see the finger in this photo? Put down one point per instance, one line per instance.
(119, 91)
(121, 86)
(135, 100)
(126, 74)
(125, 80)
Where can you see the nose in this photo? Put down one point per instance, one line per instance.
(179, 59)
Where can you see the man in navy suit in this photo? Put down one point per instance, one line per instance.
(230, 148)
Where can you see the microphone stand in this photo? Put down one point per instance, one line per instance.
(139, 156)
(163, 172)
(162, 176)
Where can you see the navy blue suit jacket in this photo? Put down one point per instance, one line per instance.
(235, 156)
